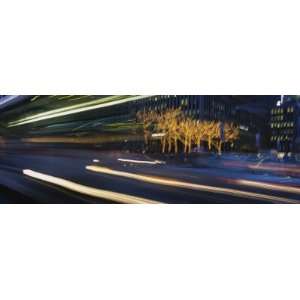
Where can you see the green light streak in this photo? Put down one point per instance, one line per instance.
(74, 109)
(58, 110)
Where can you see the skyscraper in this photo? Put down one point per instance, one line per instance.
(285, 125)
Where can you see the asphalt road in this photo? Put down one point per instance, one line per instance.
(57, 175)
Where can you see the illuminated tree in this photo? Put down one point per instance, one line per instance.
(231, 133)
(220, 137)
(168, 126)
(148, 120)
(211, 129)
(174, 118)
(228, 133)
(199, 131)
(162, 128)
(186, 134)
(174, 128)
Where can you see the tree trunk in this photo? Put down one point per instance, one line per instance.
(190, 145)
(198, 143)
(220, 148)
(163, 144)
(185, 145)
(176, 145)
(169, 144)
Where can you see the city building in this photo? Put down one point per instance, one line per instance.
(285, 125)
(202, 107)
(250, 113)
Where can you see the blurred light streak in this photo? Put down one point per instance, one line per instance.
(89, 191)
(100, 139)
(155, 162)
(96, 160)
(7, 99)
(65, 108)
(292, 169)
(191, 186)
(74, 109)
(268, 186)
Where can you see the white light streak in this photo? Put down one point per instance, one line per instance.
(155, 162)
(89, 191)
(269, 186)
(158, 134)
(192, 186)
(73, 110)
(7, 99)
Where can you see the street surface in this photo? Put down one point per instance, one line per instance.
(31, 174)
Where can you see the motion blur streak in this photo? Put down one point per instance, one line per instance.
(155, 162)
(268, 186)
(89, 191)
(192, 186)
(59, 110)
(71, 110)
(277, 168)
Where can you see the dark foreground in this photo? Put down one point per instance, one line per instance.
(56, 175)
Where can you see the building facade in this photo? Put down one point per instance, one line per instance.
(197, 106)
(250, 113)
(285, 125)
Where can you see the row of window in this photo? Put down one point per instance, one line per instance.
(190, 104)
(282, 125)
(281, 138)
(276, 111)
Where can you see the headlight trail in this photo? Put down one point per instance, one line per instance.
(191, 186)
(276, 168)
(87, 190)
(73, 110)
(269, 186)
(155, 162)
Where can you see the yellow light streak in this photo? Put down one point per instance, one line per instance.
(74, 109)
(276, 168)
(268, 186)
(191, 186)
(89, 191)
